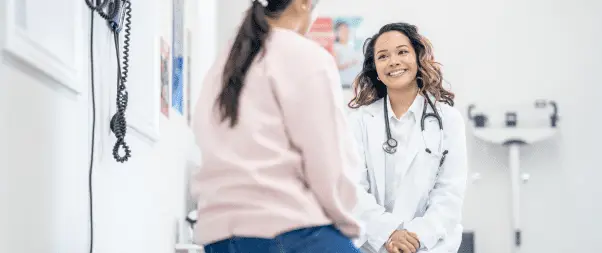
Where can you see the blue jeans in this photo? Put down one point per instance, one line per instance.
(322, 239)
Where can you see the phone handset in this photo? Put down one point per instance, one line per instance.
(118, 15)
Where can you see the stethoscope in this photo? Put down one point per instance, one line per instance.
(390, 145)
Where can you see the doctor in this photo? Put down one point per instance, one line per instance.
(413, 146)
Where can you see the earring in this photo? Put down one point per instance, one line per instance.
(419, 83)
(378, 78)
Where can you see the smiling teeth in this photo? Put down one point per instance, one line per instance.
(397, 73)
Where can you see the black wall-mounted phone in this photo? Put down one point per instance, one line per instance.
(117, 14)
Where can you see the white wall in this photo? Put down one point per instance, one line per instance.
(45, 134)
(512, 50)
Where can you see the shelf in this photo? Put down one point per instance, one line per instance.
(504, 135)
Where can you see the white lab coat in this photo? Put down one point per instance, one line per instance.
(436, 219)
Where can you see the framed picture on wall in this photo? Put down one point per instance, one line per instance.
(188, 77)
(339, 36)
(165, 57)
(177, 91)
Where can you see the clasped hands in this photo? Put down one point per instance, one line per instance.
(402, 241)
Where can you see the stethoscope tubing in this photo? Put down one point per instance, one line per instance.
(390, 145)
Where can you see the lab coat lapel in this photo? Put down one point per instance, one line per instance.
(375, 124)
(420, 170)
(413, 148)
(408, 197)
(415, 139)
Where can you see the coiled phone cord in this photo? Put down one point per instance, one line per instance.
(118, 122)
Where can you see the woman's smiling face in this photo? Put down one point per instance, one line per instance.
(395, 60)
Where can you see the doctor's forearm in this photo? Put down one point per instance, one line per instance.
(379, 224)
(443, 214)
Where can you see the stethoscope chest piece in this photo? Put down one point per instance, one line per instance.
(392, 143)
(390, 146)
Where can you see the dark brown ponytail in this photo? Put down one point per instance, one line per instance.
(248, 43)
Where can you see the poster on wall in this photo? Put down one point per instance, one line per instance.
(188, 77)
(339, 35)
(177, 91)
(322, 32)
(165, 57)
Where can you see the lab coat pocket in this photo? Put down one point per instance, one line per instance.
(428, 176)
(429, 166)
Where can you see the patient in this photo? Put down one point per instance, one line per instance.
(275, 167)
